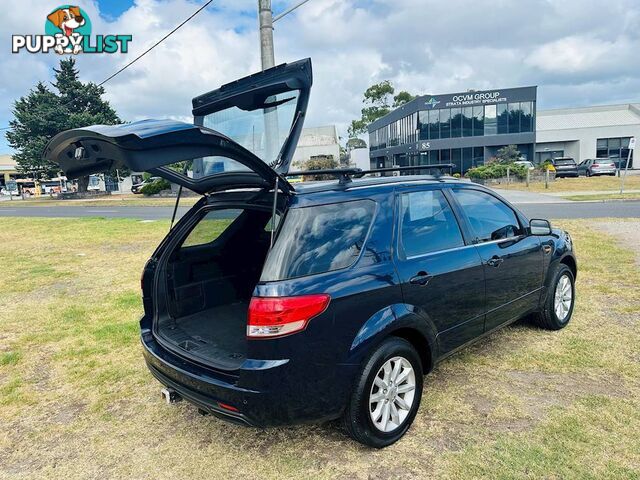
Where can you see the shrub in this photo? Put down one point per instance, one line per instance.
(456, 175)
(497, 170)
(155, 187)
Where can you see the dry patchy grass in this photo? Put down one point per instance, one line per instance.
(632, 182)
(102, 201)
(76, 400)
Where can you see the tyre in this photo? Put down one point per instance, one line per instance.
(588, 173)
(558, 306)
(386, 394)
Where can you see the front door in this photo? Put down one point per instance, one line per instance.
(513, 260)
(442, 277)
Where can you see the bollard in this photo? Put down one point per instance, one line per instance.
(546, 178)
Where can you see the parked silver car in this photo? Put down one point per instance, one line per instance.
(597, 166)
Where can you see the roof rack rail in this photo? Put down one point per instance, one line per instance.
(344, 174)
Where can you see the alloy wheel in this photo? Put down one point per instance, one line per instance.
(392, 394)
(563, 298)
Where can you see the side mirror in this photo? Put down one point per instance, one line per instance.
(538, 226)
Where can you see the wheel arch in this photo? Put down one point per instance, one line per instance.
(570, 262)
(399, 320)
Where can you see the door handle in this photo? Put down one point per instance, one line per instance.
(422, 278)
(495, 261)
(546, 249)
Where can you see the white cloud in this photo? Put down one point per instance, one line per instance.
(574, 51)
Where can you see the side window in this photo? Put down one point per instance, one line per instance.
(427, 223)
(210, 227)
(490, 218)
(319, 239)
(235, 224)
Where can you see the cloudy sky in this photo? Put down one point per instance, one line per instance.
(579, 52)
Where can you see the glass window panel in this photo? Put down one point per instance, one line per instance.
(456, 159)
(456, 122)
(427, 224)
(434, 124)
(319, 239)
(490, 218)
(445, 123)
(445, 156)
(478, 121)
(514, 117)
(478, 156)
(467, 121)
(614, 143)
(526, 120)
(423, 125)
(467, 159)
(490, 123)
(503, 118)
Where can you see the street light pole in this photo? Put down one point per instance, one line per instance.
(265, 16)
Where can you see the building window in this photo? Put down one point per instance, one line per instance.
(456, 159)
(478, 156)
(467, 159)
(617, 149)
(490, 121)
(514, 117)
(503, 118)
(478, 121)
(445, 156)
(423, 124)
(526, 120)
(434, 124)
(456, 122)
(467, 121)
(445, 123)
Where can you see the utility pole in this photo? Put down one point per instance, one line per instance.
(265, 16)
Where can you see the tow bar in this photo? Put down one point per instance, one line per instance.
(170, 395)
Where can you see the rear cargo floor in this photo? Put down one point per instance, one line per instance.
(216, 335)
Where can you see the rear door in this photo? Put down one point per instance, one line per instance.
(245, 134)
(513, 260)
(442, 275)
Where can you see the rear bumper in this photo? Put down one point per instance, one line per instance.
(265, 393)
(567, 173)
(603, 171)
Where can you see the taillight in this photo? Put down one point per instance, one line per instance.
(596, 164)
(277, 316)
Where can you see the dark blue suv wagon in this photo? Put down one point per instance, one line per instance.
(269, 304)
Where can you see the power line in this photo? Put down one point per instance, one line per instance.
(143, 53)
(155, 44)
(288, 11)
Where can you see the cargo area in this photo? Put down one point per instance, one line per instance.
(208, 280)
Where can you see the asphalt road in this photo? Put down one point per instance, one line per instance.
(620, 209)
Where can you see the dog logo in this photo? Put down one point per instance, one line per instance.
(71, 22)
(68, 31)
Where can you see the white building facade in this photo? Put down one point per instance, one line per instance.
(587, 132)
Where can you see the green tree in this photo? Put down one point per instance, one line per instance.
(43, 113)
(354, 143)
(378, 100)
(319, 162)
(508, 154)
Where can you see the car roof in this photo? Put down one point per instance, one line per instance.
(305, 188)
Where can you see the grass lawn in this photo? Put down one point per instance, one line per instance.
(103, 201)
(603, 196)
(632, 182)
(76, 400)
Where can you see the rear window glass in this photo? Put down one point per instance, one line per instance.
(319, 239)
(568, 161)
